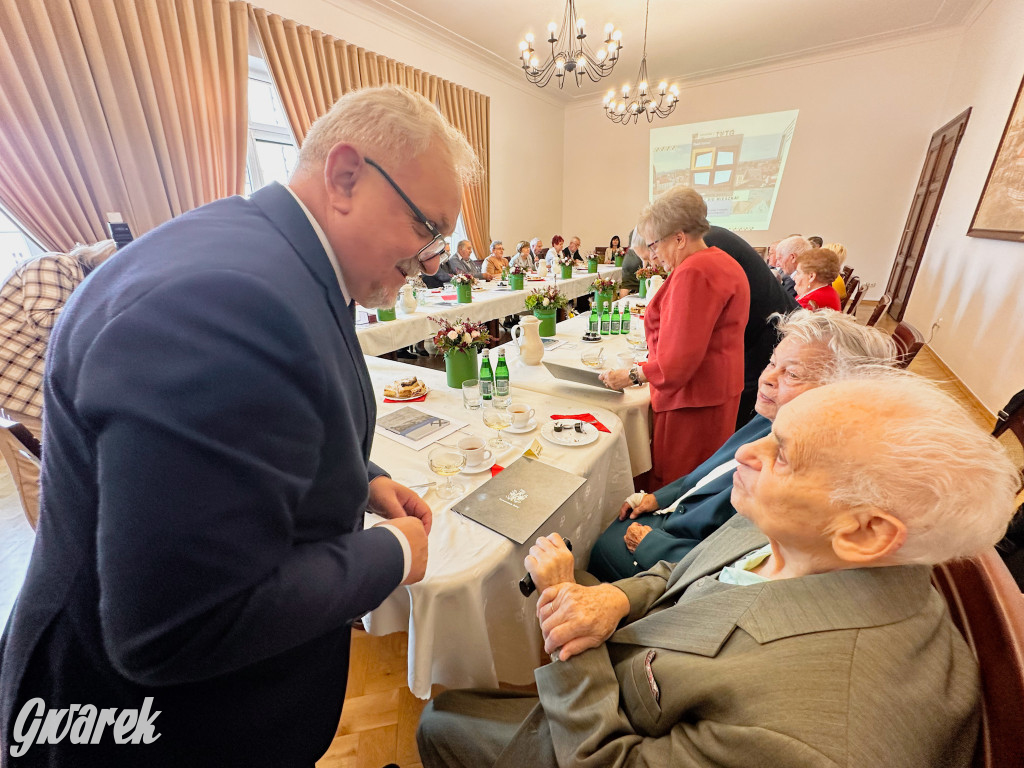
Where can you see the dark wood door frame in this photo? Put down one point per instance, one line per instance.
(938, 163)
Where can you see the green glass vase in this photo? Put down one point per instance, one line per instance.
(547, 320)
(460, 366)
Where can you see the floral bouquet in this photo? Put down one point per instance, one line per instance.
(516, 269)
(460, 335)
(603, 285)
(565, 261)
(546, 298)
(463, 278)
(646, 273)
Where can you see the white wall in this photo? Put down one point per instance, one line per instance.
(864, 125)
(526, 122)
(975, 285)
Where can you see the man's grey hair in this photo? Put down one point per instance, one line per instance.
(678, 209)
(638, 244)
(851, 346)
(794, 244)
(931, 466)
(462, 243)
(390, 125)
(495, 244)
(533, 243)
(91, 256)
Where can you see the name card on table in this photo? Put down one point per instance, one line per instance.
(517, 501)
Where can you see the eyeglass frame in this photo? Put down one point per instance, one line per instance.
(651, 245)
(431, 227)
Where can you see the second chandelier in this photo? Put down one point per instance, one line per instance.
(570, 53)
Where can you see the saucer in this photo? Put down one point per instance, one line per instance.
(476, 469)
(590, 341)
(522, 430)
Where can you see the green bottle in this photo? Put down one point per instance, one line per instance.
(624, 328)
(486, 378)
(616, 328)
(606, 321)
(501, 393)
(595, 321)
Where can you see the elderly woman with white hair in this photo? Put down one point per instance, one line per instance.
(694, 325)
(804, 633)
(815, 348)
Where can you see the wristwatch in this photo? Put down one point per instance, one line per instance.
(634, 375)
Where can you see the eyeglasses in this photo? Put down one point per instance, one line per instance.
(435, 247)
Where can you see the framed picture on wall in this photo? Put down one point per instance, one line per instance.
(1000, 211)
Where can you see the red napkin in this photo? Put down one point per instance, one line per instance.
(448, 296)
(496, 469)
(587, 417)
(419, 399)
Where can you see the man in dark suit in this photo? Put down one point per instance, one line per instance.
(201, 551)
(789, 251)
(766, 298)
(573, 250)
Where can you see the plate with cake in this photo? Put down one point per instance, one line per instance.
(405, 389)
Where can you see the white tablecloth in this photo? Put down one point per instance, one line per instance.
(632, 406)
(488, 303)
(468, 623)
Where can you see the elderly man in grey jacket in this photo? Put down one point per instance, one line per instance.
(805, 632)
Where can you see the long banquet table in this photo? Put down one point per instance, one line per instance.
(468, 624)
(489, 302)
(632, 406)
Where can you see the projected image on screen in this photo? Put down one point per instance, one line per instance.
(735, 163)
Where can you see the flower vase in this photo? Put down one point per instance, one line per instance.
(602, 299)
(547, 320)
(566, 271)
(516, 282)
(464, 293)
(386, 313)
(460, 366)
(618, 261)
(592, 265)
(643, 288)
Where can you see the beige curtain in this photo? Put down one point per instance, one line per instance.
(312, 70)
(136, 106)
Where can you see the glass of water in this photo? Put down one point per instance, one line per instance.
(471, 394)
(447, 462)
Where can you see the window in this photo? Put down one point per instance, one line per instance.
(15, 245)
(273, 152)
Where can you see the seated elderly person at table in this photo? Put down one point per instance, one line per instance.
(816, 270)
(522, 257)
(815, 348)
(805, 633)
(496, 263)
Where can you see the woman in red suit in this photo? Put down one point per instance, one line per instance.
(815, 272)
(694, 327)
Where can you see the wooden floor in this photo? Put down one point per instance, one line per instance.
(378, 724)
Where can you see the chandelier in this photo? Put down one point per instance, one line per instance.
(571, 54)
(643, 103)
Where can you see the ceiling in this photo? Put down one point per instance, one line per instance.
(687, 39)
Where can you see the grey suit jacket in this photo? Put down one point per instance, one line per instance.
(850, 668)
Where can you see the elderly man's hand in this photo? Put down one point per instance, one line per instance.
(617, 378)
(575, 618)
(390, 499)
(550, 562)
(635, 534)
(647, 504)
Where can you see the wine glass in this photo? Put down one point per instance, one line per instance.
(447, 462)
(497, 418)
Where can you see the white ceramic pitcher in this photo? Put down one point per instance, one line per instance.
(653, 284)
(527, 337)
(408, 299)
(542, 268)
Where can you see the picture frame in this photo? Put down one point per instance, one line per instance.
(1000, 211)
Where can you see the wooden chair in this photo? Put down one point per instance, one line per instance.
(1011, 417)
(880, 307)
(22, 452)
(854, 301)
(988, 609)
(845, 274)
(908, 342)
(851, 288)
(599, 250)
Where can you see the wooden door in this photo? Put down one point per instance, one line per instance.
(937, 165)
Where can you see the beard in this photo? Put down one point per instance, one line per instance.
(385, 296)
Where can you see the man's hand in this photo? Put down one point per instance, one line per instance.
(617, 378)
(416, 535)
(393, 500)
(575, 618)
(635, 534)
(550, 562)
(647, 504)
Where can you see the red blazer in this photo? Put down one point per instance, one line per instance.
(694, 326)
(825, 297)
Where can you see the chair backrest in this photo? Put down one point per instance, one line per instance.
(851, 288)
(22, 452)
(845, 273)
(1011, 417)
(880, 307)
(854, 301)
(599, 250)
(988, 609)
(908, 342)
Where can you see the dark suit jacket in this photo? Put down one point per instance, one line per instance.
(208, 426)
(766, 297)
(857, 667)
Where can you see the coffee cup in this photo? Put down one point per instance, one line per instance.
(522, 414)
(475, 452)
